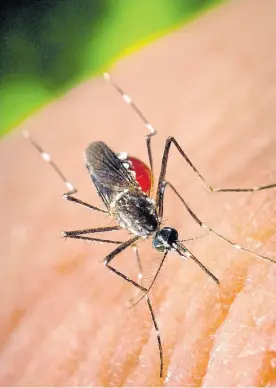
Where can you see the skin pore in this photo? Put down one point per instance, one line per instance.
(65, 319)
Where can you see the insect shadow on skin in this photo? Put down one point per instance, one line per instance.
(125, 185)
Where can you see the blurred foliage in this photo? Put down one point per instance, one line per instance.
(46, 47)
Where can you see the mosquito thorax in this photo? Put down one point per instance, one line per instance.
(136, 212)
(165, 239)
(139, 170)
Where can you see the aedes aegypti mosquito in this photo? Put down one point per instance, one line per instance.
(124, 183)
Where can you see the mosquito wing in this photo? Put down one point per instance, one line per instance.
(107, 172)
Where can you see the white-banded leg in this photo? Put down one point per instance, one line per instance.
(140, 276)
(116, 252)
(139, 264)
(206, 227)
(154, 279)
(71, 189)
(162, 262)
(145, 295)
(172, 140)
(78, 234)
(132, 104)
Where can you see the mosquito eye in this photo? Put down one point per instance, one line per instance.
(168, 235)
(164, 239)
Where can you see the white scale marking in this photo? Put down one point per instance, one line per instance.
(117, 197)
(150, 128)
(168, 377)
(122, 155)
(26, 134)
(69, 186)
(107, 76)
(46, 156)
(127, 99)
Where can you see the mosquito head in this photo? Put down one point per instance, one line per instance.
(165, 239)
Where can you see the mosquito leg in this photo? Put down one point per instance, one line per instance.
(154, 279)
(171, 140)
(72, 190)
(69, 197)
(132, 104)
(208, 228)
(158, 337)
(140, 274)
(91, 231)
(107, 261)
(186, 253)
(45, 156)
(77, 234)
(100, 240)
(114, 253)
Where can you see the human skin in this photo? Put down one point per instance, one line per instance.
(65, 319)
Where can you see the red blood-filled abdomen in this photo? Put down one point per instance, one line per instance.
(142, 173)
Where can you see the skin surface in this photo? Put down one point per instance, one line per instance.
(64, 317)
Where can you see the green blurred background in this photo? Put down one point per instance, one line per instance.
(47, 47)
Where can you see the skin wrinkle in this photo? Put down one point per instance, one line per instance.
(18, 313)
(210, 333)
(251, 322)
(133, 357)
(107, 364)
(30, 310)
(59, 381)
(268, 368)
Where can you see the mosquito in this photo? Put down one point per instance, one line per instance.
(125, 185)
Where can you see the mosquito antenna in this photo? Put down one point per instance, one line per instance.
(193, 238)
